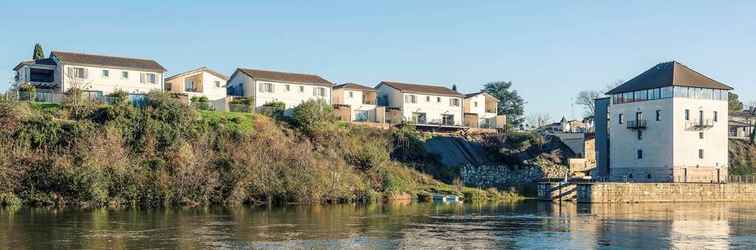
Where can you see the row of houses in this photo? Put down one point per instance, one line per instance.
(388, 102)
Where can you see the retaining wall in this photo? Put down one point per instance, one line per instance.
(664, 192)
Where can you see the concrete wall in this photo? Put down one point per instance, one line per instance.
(664, 192)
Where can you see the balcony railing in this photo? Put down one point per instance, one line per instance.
(637, 124)
(368, 101)
(702, 124)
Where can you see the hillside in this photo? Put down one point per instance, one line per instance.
(742, 157)
(168, 153)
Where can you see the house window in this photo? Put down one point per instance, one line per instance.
(147, 78)
(266, 87)
(715, 116)
(621, 118)
(288, 87)
(301, 89)
(454, 102)
(217, 84)
(351, 94)
(80, 73)
(639, 154)
(105, 73)
(438, 99)
(125, 75)
(700, 135)
(687, 115)
(318, 92)
(658, 115)
(475, 104)
(362, 116)
(189, 85)
(640, 135)
(410, 99)
(700, 154)
(427, 99)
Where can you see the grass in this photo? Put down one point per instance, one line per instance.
(241, 121)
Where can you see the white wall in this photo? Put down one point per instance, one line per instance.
(427, 104)
(392, 96)
(686, 138)
(355, 101)
(95, 81)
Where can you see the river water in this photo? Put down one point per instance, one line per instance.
(525, 225)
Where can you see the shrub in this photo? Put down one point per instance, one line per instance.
(119, 97)
(201, 103)
(274, 109)
(311, 114)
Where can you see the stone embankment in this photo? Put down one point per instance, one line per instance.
(664, 192)
(510, 176)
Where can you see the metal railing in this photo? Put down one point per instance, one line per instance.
(706, 123)
(636, 124)
(741, 179)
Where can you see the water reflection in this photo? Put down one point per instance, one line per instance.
(389, 226)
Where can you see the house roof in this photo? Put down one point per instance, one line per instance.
(277, 76)
(99, 60)
(669, 74)
(44, 61)
(201, 69)
(481, 92)
(354, 86)
(420, 88)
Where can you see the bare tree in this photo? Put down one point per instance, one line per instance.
(539, 119)
(76, 80)
(586, 99)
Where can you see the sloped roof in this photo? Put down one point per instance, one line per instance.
(277, 76)
(44, 61)
(479, 93)
(669, 74)
(354, 86)
(201, 69)
(99, 60)
(420, 88)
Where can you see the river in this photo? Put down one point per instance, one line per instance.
(525, 225)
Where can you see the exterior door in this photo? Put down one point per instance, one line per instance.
(418, 118)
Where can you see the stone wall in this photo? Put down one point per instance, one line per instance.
(664, 192)
(509, 176)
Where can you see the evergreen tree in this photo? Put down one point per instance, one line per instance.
(39, 53)
(510, 103)
(454, 87)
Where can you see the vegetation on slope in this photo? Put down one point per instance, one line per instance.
(168, 153)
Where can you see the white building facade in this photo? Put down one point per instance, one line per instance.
(292, 89)
(360, 101)
(422, 104)
(484, 107)
(668, 124)
(201, 82)
(96, 75)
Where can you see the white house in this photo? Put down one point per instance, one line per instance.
(667, 124)
(264, 86)
(96, 75)
(422, 104)
(358, 101)
(482, 107)
(198, 83)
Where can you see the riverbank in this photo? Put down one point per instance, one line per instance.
(169, 154)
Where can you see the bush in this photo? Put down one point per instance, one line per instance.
(274, 109)
(119, 97)
(201, 103)
(312, 114)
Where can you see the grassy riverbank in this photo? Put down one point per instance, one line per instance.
(167, 153)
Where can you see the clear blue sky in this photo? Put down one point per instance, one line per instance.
(549, 51)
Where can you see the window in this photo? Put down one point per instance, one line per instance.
(105, 73)
(454, 102)
(640, 134)
(147, 78)
(410, 99)
(217, 84)
(318, 92)
(266, 87)
(639, 154)
(648, 176)
(687, 115)
(438, 99)
(351, 94)
(427, 99)
(700, 154)
(700, 135)
(80, 73)
(125, 75)
(189, 85)
(621, 119)
(658, 115)
(475, 104)
(301, 89)
(288, 87)
(715, 116)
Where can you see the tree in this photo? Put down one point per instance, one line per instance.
(734, 104)
(510, 103)
(539, 119)
(586, 99)
(454, 87)
(39, 53)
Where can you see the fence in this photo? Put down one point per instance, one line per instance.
(741, 179)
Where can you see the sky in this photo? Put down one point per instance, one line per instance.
(549, 50)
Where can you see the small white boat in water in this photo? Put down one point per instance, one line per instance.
(446, 198)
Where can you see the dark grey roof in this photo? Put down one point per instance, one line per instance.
(420, 88)
(277, 76)
(112, 61)
(669, 74)
(354, 86)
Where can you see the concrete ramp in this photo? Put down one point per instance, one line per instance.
(457, 151)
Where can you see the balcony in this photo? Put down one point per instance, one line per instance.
(702, 124)
(637, 124)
